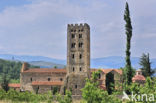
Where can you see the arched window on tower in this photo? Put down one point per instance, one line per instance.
(80, 35)
(80, 45)
(73, 56)
(73, 69)
(73, 45)
(80, 56)
(80, 68)
(73, 35)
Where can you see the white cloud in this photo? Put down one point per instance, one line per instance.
(40, 28)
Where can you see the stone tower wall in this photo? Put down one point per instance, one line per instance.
(78, 58)
(77, 34)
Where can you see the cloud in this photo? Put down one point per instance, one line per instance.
(39, 28)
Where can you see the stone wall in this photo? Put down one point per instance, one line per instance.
(74, 83)
(28, 78)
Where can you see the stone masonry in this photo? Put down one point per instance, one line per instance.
(78, 57)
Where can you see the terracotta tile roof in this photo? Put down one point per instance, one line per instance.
(109, 70)
(14, 85)
(93, 69)
(119, 71)
(45, 70)
(138, 77)
(48, 70)
(47, 83)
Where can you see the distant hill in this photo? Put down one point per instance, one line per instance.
(105, 62)
(44, 64)
(28, 58)
(117, 62)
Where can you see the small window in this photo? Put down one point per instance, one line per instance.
(80, 69)
(80, 35)
(80, 56)
(73, 45)
(75, 86)
(73, 35)
(61, 79)
(48, 79)
(71, 30)
(81, 30)
(73, 56)
(80, 45)
(74, 30)
(73, 69)
(31, 79)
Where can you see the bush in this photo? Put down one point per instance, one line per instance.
(67, 98)
(92, 94)
(24, 96)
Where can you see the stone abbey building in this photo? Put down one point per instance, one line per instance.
(41, 80)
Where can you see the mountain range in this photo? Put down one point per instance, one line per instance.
(46, 62)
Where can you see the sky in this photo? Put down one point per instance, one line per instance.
(39, 27)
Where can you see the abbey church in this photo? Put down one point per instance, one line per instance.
(42, 80)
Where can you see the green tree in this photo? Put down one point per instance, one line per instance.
(66, 99)
(128, 28)
(55, 67)
(91, 93)
(5, 82)
(146, 65)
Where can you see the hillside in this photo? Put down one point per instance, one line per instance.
(44, 64)
(105, 62)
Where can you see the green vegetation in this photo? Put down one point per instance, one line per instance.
(91, 93)
(11, 69)
(128, 27)
(55, 67)
(146, 65)
(28, 97)
(67, 98)
(5, 82)
(149, 88)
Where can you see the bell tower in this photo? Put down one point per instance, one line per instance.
(78, 58)
(78, 49)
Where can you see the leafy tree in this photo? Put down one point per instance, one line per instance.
(146, 65)
(12, 69)
(55, 67)
(26, 97)
(91, 93)
(5, 82)
(66, 99)
(128, 28)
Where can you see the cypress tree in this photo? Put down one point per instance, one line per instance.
(128, 28)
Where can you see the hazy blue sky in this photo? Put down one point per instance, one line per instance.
(38, 27)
